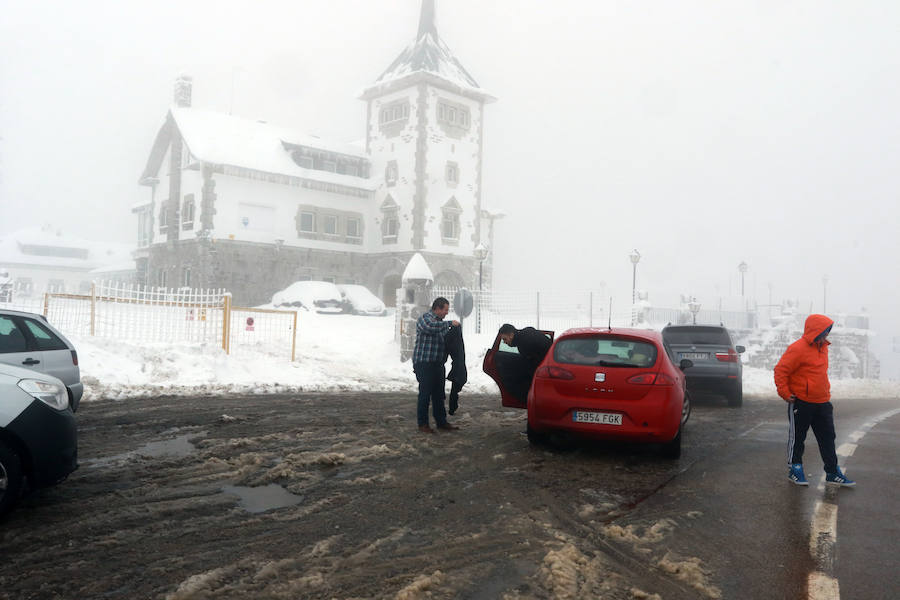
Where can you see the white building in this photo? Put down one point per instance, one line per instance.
(44, 259)
(251, 207)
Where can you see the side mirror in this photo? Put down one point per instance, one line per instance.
(685, 363)
(740, 349)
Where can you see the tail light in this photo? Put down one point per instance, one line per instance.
(554, 373)
(74, 358)
(730, 356)
(651, 379)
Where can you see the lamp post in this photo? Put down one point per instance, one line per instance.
(481, 253)
(635, 257)
(825, 293)
(694, 306)
(743, 269)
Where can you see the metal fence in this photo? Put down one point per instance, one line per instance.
(144, 314)
(558, 310)
(555, 310)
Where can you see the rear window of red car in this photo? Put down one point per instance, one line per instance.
(608, 351)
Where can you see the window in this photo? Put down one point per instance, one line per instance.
(23, 286)
(304, 161)
(11, 339)
(605, 351)
(56, 286)
(307, 222)
(391, 225)
(351, 170)
(162, 215)
(186, 277)
(392, 113)
(187, 212)
(46, 339)
(453, 114)
(452, 173)
(329, 165)
(391, 173)
(145, 227)
(331, 224)
(353, 228)
(450, 226)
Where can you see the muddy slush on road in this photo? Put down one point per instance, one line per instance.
(338, 495)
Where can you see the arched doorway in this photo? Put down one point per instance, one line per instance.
(389, 286)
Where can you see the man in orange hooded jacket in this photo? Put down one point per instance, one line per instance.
(801, 377)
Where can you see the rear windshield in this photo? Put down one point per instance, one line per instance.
(605, 351)
(697, 335)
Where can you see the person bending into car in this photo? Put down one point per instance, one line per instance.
(532, 346)
(801, 377)
(428, 365)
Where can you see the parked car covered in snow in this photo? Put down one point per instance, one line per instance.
(319, 296)
(358, 300)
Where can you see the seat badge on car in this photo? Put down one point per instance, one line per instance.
(599, 376)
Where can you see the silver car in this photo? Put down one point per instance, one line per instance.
(28, 341)
(38, 435)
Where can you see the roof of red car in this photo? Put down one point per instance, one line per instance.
(641, 333)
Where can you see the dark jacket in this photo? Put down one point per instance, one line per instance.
(532, 344)
(456, 350)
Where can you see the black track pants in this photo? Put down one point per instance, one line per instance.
(820, 416)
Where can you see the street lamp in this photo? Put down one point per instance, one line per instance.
(743, 269)
(694, 306)
(635, 257)
(825, 293)
(481, 253)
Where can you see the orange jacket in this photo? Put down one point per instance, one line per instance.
(803, 369)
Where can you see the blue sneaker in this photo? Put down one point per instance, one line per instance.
(795, 474)
(838, 478)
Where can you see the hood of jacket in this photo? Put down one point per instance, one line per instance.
(814, 326)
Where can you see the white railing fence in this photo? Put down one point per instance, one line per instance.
(146, 314)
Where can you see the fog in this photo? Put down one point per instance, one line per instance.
(703, 134)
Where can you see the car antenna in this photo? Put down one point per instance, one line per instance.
(610, 314)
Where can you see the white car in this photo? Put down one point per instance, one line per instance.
(358, 300)
(38, 436)
(318, 296)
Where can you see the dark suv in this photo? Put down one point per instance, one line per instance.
(717, 361)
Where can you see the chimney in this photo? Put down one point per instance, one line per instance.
(183, 87)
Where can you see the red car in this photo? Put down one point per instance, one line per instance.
(611, 384)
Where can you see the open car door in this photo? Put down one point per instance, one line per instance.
(512, 373)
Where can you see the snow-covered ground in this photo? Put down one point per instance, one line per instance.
(334, 353)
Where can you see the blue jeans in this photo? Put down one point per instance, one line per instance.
(430, 376)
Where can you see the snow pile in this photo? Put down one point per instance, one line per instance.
(334, 353)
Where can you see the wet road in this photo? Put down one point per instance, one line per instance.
(338, 496)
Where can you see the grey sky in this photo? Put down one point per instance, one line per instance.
(701, 133)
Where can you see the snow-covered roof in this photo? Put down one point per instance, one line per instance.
(430, 57)
(46, 247)
(417, 269)
(222, 139)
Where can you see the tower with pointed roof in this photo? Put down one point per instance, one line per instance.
(424, 133)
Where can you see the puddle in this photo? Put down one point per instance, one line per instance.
(262, 498)
(173, 448)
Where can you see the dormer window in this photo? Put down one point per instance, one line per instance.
(450, 222)
(451, 173)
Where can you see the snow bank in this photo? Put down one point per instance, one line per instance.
(334, 353)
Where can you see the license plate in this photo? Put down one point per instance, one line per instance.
(586, 416)
(695, 355)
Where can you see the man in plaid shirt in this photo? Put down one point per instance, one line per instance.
(428, 365)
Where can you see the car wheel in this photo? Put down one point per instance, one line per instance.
(11, 479)
(534, 437)
(736, 397)
(686, 408)
(673, 449)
